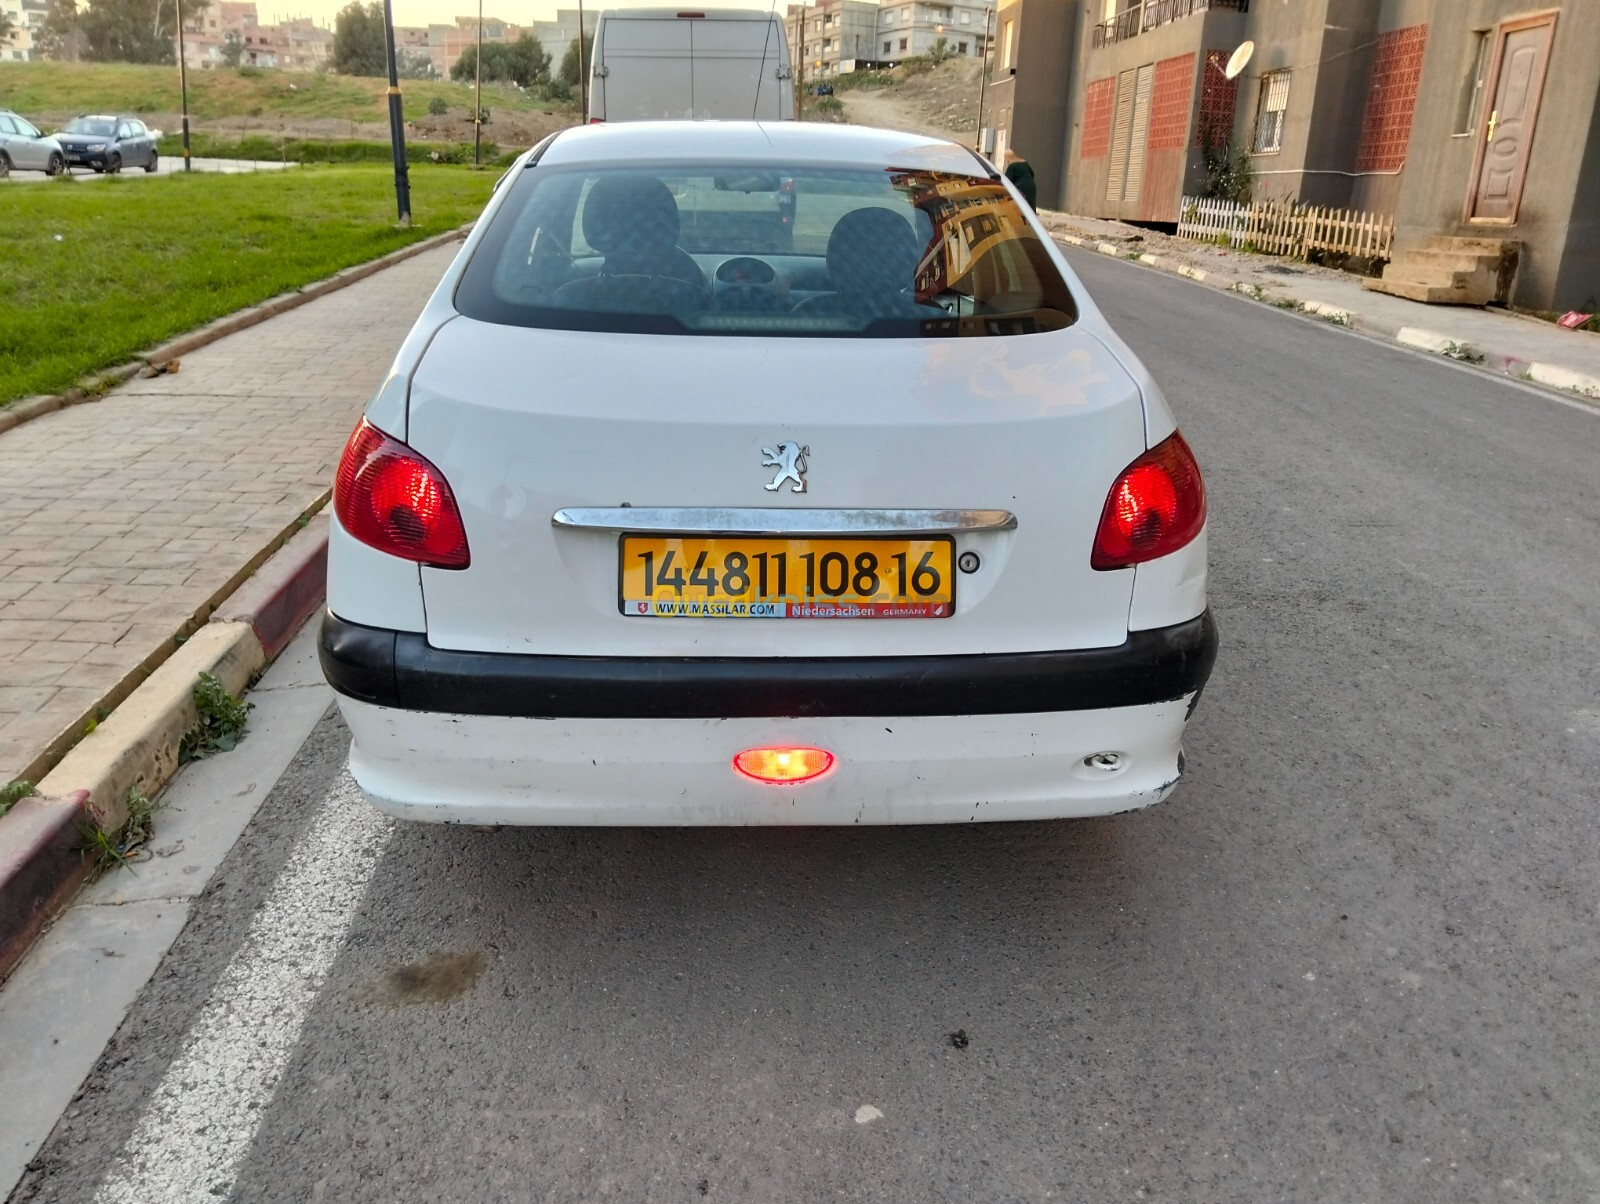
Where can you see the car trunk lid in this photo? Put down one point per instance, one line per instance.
(525, 423)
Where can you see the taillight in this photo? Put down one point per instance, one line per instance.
(1157, 506)
(392, 499)
(597, 121)
(783, 766)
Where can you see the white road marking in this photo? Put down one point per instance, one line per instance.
(203, 1116)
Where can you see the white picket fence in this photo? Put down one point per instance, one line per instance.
(1287, 227)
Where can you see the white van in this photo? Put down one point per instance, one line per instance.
(655, 64)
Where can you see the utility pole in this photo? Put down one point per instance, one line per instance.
(983, 74)
(800, 66)
(583, 72)
(397, 125)
(183, 81)
(477, 96)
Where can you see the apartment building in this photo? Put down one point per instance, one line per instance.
(833, 37)
(905, 30)
(293, 44)
(556, 36)
(26, 17)
(1030, 89)
(446, 43)
(1466, 119)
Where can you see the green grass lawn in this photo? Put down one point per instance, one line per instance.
(94, 273)
(49, 88)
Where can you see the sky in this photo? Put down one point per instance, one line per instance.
(426, 12)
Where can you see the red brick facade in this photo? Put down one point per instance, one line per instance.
(1099, 99)
(1217, 96)
(1391, 100)
(1169, 103)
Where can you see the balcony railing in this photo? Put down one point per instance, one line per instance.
(1148, 14)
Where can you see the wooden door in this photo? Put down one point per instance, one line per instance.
(1522, 53)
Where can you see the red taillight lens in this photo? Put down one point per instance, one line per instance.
(783, 766)
(392, 499)
(1156, 507)
(597, 121)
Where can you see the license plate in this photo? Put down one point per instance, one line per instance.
(828, 578)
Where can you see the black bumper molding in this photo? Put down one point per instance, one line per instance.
(401, 670)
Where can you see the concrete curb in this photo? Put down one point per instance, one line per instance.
(39, 869)
(287, 591)
(137, 745)
(93, 388)
(1500, 363)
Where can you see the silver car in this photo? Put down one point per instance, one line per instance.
(24, 148)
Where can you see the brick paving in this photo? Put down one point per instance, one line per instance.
(120, 519)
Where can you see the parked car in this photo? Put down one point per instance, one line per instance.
(108, 144)
(653, 64)
(889, 527)
(24, 148)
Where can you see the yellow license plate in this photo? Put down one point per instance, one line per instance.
(828, 578)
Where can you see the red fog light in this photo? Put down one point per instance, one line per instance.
(783, 766)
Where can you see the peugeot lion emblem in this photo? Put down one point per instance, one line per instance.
(790, 461)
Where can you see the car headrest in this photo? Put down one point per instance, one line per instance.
(873, 251)
(630, 215)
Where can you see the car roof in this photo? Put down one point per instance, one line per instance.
(777, 143)
(698, 14)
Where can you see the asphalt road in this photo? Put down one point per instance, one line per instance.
(1354, 959)
(167, 165)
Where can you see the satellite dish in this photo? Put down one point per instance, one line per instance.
(1236, 62)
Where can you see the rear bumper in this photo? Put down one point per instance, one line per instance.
(469, 738)
(400, 671)
(476, 769)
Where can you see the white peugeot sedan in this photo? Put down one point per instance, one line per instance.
(764, 474)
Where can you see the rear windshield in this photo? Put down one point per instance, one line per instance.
(726, 249)
(98, 126)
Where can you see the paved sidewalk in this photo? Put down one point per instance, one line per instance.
(1510, 336)
(121, 520)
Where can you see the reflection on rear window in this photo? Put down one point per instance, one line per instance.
(747, 249)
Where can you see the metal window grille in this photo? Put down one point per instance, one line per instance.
(1269, 119)
(1472, 92)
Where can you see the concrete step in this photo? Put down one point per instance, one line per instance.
(1431, 294)
(1495, 247)
(1413, 274)
(1452, 261)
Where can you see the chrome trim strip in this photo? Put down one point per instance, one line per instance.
(776, 520)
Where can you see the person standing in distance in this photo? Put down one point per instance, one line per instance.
(1020, 173)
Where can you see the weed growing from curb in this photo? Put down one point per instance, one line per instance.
(1336, 318)
(13, 793)
(115, 850)
(222, 721)
(1285, 303)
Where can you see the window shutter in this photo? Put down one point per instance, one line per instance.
(1119, 136)
(1140, 133)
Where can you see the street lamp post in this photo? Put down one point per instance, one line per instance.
(983, 73)
(397, 125)
(583, 75)
(183, 81)
(477, 96)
